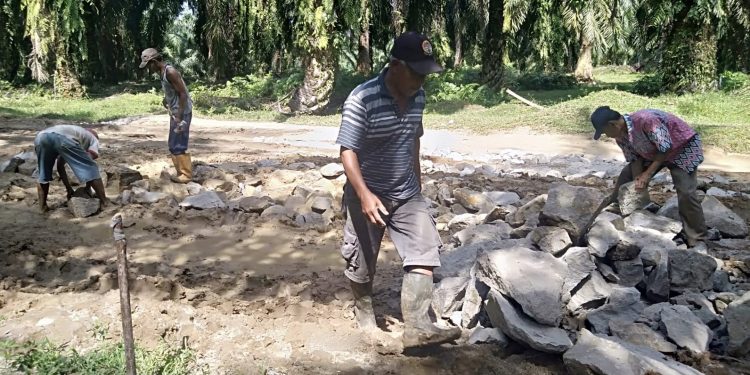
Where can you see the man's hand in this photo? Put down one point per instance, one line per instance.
(372, 207)
(641, 182)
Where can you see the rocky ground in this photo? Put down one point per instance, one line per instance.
(243, 263)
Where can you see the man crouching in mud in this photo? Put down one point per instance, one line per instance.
(379, 138)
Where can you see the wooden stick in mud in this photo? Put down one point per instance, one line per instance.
(524, 100)
(122, 278)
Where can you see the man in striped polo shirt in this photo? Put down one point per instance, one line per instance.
(379, 138)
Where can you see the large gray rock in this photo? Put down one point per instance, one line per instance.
(503, 198)
(255, 204)
(607, 355)
(473, 201)
(332, 170)
(641, 334)
(632, 199)
(460, 260)
(725, 220)
(689, 270)
(553, 240)
(483, 233)
(321, 204)
(510, 270)
(448, 295)
(601, 237)
(737, 315)
(624, 304)
(657, 282)
(630, 272)
(83, 207)
(670, 209)
(571, 207)
(277, 212)
(527, 212)
(476, 292)
(685, 329)
(203, 201)
(523, 329)
(647, 220)
(593, 292)
(580, 265)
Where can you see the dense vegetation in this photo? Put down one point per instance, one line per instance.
(74, 44)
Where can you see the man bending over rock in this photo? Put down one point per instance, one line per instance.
(652, 139)
(70, 144)
(379, 137)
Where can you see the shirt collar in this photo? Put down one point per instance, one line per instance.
(629, 123)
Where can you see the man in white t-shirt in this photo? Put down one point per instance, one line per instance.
(73, 145)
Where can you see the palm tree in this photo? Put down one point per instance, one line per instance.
(598, 25)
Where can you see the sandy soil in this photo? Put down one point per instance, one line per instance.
(246, 294)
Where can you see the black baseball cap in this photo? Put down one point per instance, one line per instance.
(601, 117)
(416, 50)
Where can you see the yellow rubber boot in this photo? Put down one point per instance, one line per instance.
(184, 167)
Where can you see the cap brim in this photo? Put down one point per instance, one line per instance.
(425, 67)
(597, 135)
(143, 64)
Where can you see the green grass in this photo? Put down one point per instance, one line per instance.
(44, 357)
(454, 102)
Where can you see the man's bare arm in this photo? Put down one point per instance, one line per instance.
(179, 86)
(371, 205)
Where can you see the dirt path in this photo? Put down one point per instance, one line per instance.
(248, 294)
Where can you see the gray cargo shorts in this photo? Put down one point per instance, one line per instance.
(410, 227)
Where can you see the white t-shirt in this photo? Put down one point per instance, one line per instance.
(78, 134)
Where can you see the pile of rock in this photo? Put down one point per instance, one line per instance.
(624, 294)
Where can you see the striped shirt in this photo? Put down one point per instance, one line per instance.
(383, 140)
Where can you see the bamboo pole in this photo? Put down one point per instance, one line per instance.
(524, 100)
(122, 280)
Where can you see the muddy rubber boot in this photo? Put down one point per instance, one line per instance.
(363, 311)
(184, 167)
(416, 297)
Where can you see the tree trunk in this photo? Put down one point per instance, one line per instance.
(584, 68)
(398, 12)
(689, 59)
(316, 89)
(66, 82)
(494, 43)
(364, 58)
(458, 32)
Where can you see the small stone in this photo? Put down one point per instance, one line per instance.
(630, 272)
(277, 212)
(670, 209)
(255, 204)
(149, 197)
(528, 211)
(473, 201)
(483, 233)
(321, 204)
(448, 295)
(312, 220)
(503, 198)
(203, 201)
(194, 188)
(482, 335)
(607, 272)
(716, 192)
(499, 213)
(647, 220)
(332, 170)
(624, 304)
(553, 240)
(580, 266)
(592, 294)
(83, 207)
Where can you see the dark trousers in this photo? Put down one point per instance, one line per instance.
(691, 212)
(178, 142)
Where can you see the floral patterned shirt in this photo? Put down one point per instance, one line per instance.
(652, 131)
